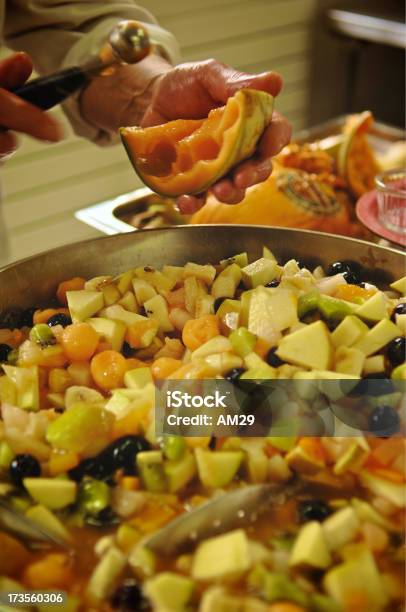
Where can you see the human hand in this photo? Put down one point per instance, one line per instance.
(190, 91)
(15, 113)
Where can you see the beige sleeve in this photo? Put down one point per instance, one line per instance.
(58, 35)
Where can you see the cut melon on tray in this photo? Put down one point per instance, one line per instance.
(187, 156)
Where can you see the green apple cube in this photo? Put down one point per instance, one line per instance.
(374, 309)
(260, 272)
(26, 384)
(377, 337)
(84, 304)
(223, 556)
(53, 493)
(309, 347)
(217, 468)
(310, 547)
(109, 330)
(349, 331)
(157, 308)
(400, 285)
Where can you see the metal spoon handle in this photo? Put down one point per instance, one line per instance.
(48, 91)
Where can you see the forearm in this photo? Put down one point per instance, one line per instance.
(121, 97)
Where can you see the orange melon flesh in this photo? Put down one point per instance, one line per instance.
(186, 156)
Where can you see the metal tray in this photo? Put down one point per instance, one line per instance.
(110, 216)
(33, 281)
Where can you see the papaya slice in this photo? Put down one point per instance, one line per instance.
(356, 161)
(187, 156)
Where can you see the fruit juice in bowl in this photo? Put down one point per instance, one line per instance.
(391, 196)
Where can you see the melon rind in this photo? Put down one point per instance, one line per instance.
(239, 143)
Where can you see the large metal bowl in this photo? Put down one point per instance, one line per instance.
(33, 281)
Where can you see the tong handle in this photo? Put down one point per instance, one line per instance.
(48, 91)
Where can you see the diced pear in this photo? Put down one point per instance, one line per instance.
(260, 272)
(392, 491)
(373, 309)
(375, 364)
(341, 527)
(124, 281)
(51, 492)
(44, 517)
(157, 308)
(224, 556)
(169, 591)
(399, 285)
(26, 383)
(96, 283)
(217, 468)
(309, 347)
(205, 273)
(401, 323)
(106, 574)
(241, 259)
(138, 378)
(218, 344)
(267, 253)
(271, 312)
(84, 304)
(348, 331)
(349, 360)
(377, 337)
(155, 278)
(110, 330)
(310, 547)
(143, 291)
(111, 294)
(118, 313)
(129, 302)
(227, 282)
(173, 272)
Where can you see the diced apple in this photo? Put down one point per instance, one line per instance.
(129, 302)
(217, 468)
(124, 281)
(26, 382)
(173, 272)
(374, 309)
(51, 492)
(111, 331)
(310, 547)
(118, 313)
(206, 273)
(374, 364)
(138, 378)
(111, 294)
(399, 285)
(155, 278)
(204, 305)
(223, 556)
(143, 291)
(309, 347)
(157, 308)
(349, 360)
(260, 272)
(227, 282)
(84, 304)
(192, 291)
(241, 259)
(267, 253)
(377, 337)
(349, 331)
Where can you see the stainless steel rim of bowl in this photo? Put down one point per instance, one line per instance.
(33, 281)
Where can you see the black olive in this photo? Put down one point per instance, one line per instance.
(5, 349)
(273, 359)
(128, 597)
(217, 303)
(338, 267)
(24, 466)
(104, 518)
(59, 319)
(234, 374)
(313, 510)
(384, 421)
(400, 309)
(273, 283)
(351, 278)
(26, 317)
(127, 350)
(124, 452)
(396, 351)
(375, 384)
(120, 454)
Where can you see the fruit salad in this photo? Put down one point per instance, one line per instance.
(80, 455)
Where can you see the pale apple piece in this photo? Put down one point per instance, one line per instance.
(84, 304)
(309, 347)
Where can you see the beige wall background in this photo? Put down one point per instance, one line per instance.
(42, 185)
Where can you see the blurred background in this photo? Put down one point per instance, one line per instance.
(335, 58)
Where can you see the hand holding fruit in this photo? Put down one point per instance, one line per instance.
(190, 91)
(15, 113)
